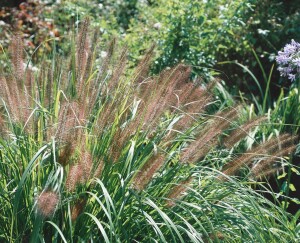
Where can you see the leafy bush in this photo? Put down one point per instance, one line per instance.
(194, 32)
(202, 33)
(90, 152)
(205, 34)
(39, 21)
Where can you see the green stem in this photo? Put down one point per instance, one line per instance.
(288, 188)
(267, 89)
(36, 229)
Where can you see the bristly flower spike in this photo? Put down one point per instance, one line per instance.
(46, 203)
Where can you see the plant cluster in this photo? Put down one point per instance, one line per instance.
(202, 34)
(289, 61)
(92, 152)
(192, 32)
(205, 34)
(31, 22)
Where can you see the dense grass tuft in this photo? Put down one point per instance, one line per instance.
(92, 151)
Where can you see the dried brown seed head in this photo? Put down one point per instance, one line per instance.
(47, 202)
(78, 208)
(74, 178)
(178, 191)
(146, 173)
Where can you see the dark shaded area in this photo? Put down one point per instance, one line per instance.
(271, 25)
(126, 11)
(281, 184)
(11, 3)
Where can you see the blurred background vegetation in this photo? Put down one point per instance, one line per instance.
(204, 34)
(212, 36)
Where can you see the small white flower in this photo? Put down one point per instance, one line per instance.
(157, 25)
(222, 8)
(30, 67)
(2, 23)
(34, 69)
(103, 54)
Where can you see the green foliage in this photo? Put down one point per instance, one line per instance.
(286, 111)
(124, 11)
(196, 32)
(105, 146)
(206, 33)
(200, 33)
(90, 152)
(268, 28)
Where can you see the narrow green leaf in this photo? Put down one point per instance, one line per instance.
(100, 227)
(58, 230)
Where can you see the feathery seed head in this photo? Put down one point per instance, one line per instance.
(267, 172)
(143, 67)
(86, 162)
(242, 132)
(70, 118)
(82, 51)
(74, 178)
(146, 173)
(99, 169)
(78, 208)
(47, 202)
(266, 166)
(208, 137)
(79, 173)
(178, 191)
(66, 153)
(17, 56)
(274, 148)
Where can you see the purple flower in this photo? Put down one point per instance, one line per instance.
(288, 61)
(282, 59)
(289, 49)
(296, 62)
(292, 77)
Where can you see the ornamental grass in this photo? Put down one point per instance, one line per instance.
(92, 151)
